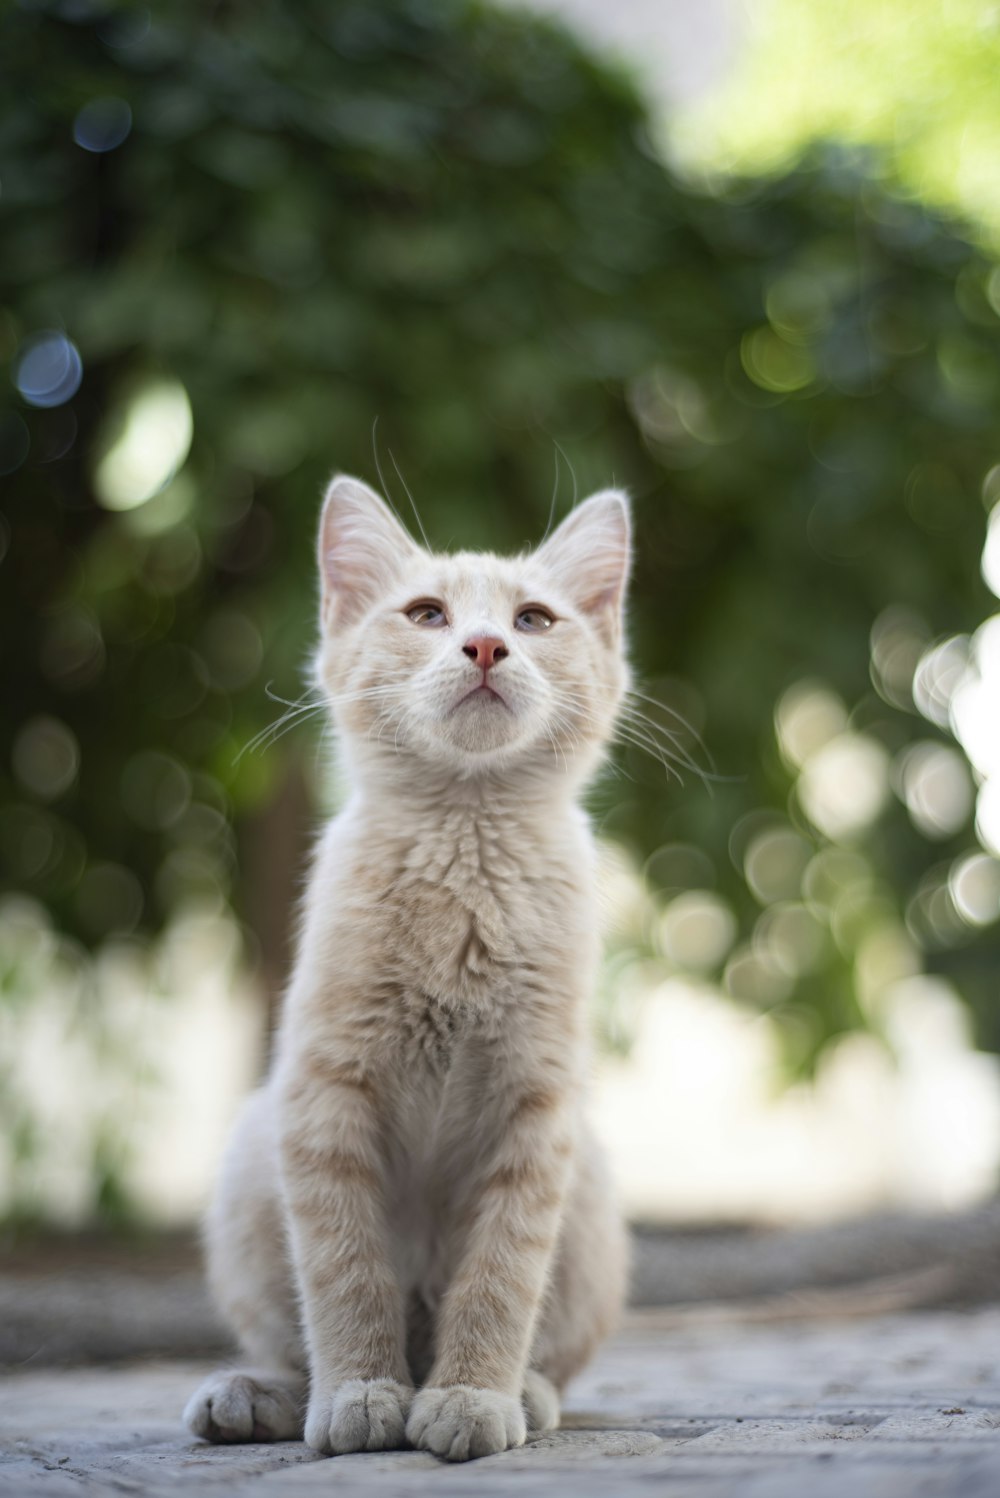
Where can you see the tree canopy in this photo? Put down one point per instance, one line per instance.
(233, 239)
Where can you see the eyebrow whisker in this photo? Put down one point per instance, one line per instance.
(413, 503)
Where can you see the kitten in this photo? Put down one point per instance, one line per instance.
(414, 1234)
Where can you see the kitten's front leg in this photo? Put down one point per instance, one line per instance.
(333, 1153)
(471, 1405)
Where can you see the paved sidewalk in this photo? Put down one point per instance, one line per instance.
(698, 1404)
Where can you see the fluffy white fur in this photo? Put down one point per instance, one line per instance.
(414, 1235)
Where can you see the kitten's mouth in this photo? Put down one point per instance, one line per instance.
(482, 694)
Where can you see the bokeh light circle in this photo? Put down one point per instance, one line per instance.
(974, 883)
(697, 930)
(45, 757)
(49, 370)
(991, 553)
(102, 124)
(152, 438)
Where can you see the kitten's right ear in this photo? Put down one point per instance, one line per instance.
(590, 553)
(362, 549)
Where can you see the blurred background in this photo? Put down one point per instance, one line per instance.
(741, 259)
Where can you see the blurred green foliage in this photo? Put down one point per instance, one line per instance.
(452, 220)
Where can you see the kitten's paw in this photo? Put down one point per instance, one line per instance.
(540, 1401)
(361, 1415)
(460, 1422)
(232, 1406)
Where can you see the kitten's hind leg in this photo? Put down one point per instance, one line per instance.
(540, 1402)
(252, 1280)
(587, 1286)
(248, 1404)
(249, 1266)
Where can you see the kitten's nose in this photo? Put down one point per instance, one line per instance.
(485, 651)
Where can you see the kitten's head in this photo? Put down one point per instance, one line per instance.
(472, 661)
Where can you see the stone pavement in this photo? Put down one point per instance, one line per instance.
(699, 1404)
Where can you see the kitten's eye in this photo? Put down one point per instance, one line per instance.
(428, 613)
(534, 619)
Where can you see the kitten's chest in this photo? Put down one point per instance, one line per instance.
(466, 916)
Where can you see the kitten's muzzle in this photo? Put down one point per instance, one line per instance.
(485, 694)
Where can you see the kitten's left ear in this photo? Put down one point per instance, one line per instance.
(362, 549)
(590, 554)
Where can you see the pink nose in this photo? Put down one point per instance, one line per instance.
(485, 651)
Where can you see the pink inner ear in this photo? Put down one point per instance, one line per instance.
(590, 552)
(332, 572)
(361, 547)
(596, 579)
(605, 598)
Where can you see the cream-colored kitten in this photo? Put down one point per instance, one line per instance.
(414, 1235)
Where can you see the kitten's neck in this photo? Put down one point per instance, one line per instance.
(403, 785)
